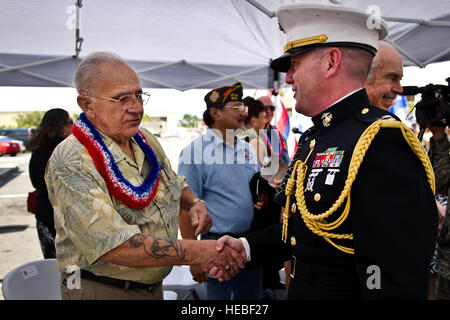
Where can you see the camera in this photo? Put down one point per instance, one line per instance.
(434, 107)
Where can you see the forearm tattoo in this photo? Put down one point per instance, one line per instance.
(161, 248)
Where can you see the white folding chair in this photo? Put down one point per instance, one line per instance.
(36, 280)
(180, 278)
(170, 295)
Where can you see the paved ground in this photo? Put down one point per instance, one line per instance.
(19, 242)
(18, 236)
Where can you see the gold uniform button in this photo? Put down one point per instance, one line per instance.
(293, 208)
(293, 241)
(365, 110)
(317, 197)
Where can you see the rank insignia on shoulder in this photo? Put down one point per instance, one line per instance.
(331, 158)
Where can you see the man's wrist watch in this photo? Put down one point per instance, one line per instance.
(195, 201)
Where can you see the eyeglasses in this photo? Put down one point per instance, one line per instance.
(272, 108)
(126, 101)
(241, 107)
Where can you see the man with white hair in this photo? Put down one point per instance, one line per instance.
(383, 82)
(116, 198)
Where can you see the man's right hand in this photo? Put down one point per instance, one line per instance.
(238, 253)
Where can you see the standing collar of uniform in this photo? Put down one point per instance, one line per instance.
(341, 110)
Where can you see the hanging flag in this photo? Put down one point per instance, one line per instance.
(294, 150)
(284, 128)
(399, 108)
(283, 124)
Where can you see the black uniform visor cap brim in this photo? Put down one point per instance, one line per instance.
(283, 62)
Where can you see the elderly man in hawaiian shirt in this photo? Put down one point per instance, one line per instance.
(116, 198)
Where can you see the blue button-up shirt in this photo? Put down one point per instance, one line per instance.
(219, 174)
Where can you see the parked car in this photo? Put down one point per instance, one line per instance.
(21, 145)
(22, 134)
(8, 146)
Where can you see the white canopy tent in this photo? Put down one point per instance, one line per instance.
(185, 44)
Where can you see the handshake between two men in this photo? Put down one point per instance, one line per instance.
(226, 262)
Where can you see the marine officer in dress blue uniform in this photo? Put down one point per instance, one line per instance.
(359, 212)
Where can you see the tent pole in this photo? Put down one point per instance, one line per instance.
(263, 9)
(37, 76)
(423, 22)
(404, 53)
(436, 57)
(32, 64)
(160, 66)
(78, 39)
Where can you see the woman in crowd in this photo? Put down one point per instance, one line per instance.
(55, 126)
(254, 123)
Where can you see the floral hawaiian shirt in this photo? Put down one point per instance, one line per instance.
(90, 221)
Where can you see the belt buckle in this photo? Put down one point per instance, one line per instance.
(293, 266)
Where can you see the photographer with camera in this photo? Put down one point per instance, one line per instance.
(440, 159)
(433, 112)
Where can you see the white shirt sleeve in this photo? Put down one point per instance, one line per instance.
(246, 247)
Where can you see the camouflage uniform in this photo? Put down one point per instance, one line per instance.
(440, 159)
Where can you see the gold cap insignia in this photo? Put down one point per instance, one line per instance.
(214, 96)
(305, 42)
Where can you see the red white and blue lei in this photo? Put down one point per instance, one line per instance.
(137, 197)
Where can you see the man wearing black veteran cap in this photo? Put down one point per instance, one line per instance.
(360, 219)
(218, 167)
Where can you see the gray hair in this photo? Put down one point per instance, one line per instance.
(89, 68)
(375, 63)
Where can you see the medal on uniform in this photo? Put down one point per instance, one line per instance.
(330, 158)
(137, 197)
(311, 178)
(330, 176)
